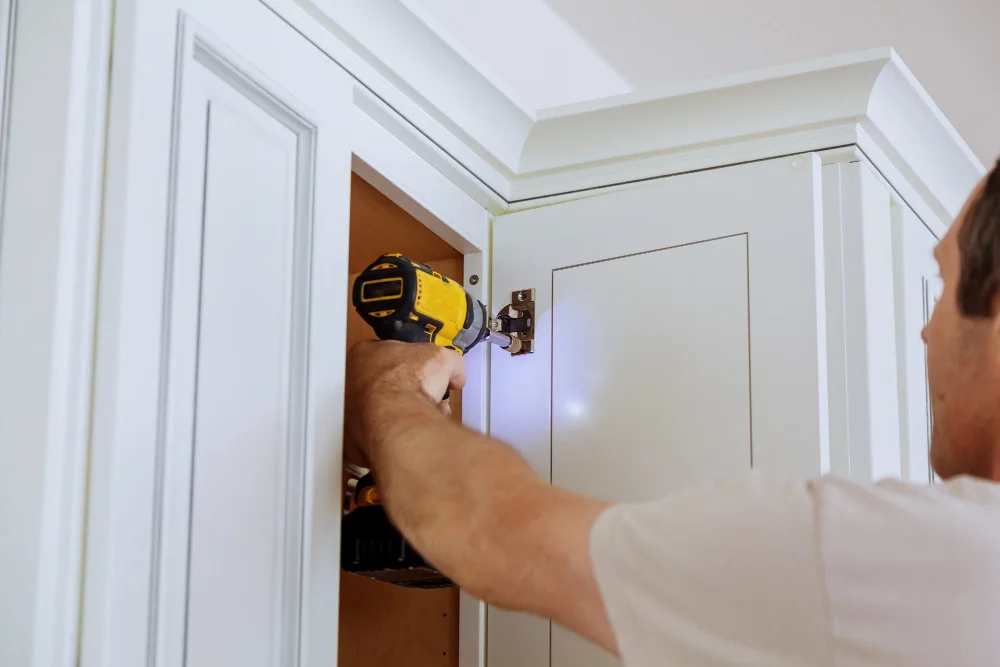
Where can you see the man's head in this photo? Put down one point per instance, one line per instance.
(963, 340)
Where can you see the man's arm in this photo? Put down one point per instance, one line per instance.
(469, 504)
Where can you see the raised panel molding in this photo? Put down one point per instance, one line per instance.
(212, 339)
(453, 113)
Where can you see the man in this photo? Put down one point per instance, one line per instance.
(745, 572)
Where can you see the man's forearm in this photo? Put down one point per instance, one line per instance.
(458, 496)
(474, 508)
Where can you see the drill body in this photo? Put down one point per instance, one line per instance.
(408, 301)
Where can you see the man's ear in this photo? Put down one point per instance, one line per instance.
(995, 317)
(994, 342)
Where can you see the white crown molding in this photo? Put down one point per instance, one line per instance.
(396, 57)
(869, 99)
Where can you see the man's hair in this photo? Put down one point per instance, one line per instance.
(979, 250)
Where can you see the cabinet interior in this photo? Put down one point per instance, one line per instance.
(382, 625)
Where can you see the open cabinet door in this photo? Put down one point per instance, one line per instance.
(680, 336)
(214, 514)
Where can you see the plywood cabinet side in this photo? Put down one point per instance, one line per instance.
(380, 226)
(382, 625)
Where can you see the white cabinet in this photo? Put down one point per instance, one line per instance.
(214, 514)
(729, 276)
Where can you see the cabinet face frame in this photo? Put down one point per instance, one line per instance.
(53, 131)
(423, 192)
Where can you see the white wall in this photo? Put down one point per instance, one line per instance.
(952, 46)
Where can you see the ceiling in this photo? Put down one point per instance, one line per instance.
(547, 53)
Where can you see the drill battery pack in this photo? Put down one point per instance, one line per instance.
(372, 547)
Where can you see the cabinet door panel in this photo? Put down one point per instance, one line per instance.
(680, 336)
(214, 514)
(695, 398)
(685, 414)
(918, 288)
(245, 441)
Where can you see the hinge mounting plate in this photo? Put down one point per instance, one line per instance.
(517, 319)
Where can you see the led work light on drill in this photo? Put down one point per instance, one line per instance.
(408, 301)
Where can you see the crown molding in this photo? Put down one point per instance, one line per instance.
(453, 116)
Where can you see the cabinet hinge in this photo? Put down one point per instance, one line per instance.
(517, 320)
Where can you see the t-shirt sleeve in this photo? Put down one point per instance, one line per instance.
(727, 573)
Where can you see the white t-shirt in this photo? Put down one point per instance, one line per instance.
(825, 573)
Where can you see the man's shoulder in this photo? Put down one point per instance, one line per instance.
(959, 492)
(831, 504)
(905, 515)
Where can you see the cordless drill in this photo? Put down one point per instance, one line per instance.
(408, 301)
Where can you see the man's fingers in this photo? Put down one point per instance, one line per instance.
(435, 369)
(457, 368)
(443, 371)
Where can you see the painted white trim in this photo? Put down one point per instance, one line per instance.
(8, 32)
(906, 195)
(918, 195)
(433, 123)
(918, 139)
(58, 81)
(836, 347)
(424, 192)
(869, 325)
(475, 415)
(398, 129)
(868, 98)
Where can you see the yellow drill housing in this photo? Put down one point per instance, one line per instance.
(408, 301)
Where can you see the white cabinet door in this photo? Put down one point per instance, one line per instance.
(680, 337)
(918, 287)
(214, 534)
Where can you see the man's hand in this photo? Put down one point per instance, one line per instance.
(379, 373)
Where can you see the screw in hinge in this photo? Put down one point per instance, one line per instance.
(473, 279)
(521, 296)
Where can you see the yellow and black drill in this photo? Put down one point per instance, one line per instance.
(408, 301)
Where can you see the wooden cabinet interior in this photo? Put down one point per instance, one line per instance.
(382, 625)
